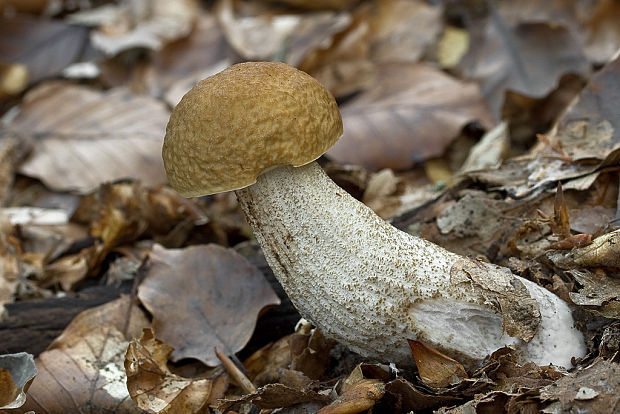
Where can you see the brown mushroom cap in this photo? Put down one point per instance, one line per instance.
(244, 120)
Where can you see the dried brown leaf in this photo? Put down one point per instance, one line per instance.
(603, 32)
(413, 399)
(82, 370)
(137, 23)
(274, 396)
(411, 114)
(358, 397)
(271, 35)
(594, 389)
(45, 47)
(598, 293)
(203, 297)
(402, 30)
(181, 64)
(16, 373)
(318, 4)
(157, 390)
(435, 368)
(584, 139)
(520, 311)
(528, 58)
(604, 251)
(92, 137)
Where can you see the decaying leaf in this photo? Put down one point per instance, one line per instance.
(16, 373)
(356, 398)
(306, 354)
(597, 292)
(82, 370)
(584, 139)
(46, 47)
(92, 137)
(157, 390)
(181, 64)
(274, 36)
(594, 389)
(410, 114)
(435, 368)
(520, 312)
(401, 30)
(529, 58)
(603, 251)
(274, 396)
(603, 34)
(203, 297)
(137, 23)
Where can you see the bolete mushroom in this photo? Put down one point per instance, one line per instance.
(257, 128)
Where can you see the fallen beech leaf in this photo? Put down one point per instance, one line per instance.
(157, 390)
(16, 374)
(586, 137)
(435, 368)
(358, 397)
(415, 399)
(203, 297)
(46, 47)
(597, 293)
(602, 378)
(520, 312)
(603, 251)
(82, 370)
(181, 64)
(411, 114)
(138, 24)
(286, 37)
(93, 138)
(265, 365)
(603, 32)
(402, 30)
(529, 58)
(274, 396)
(318, 4)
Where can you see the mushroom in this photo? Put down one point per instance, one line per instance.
(257, 128)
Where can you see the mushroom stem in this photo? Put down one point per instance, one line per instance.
(371, 286)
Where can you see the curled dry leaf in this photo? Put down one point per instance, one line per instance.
(357, 397)
(16, 373)
(157, 390)
(603, 32)
(274, 396)
(401, 30)
(436, 369)
(94, 137)
(529, 58)
(604, 251)
(138, 23)
(585, 137)
(592, 390)
(318, 4)
(272, 36)
(597, 292)
(46, 46)
(83, 369)
(411, 114)
(203, 297)
(181, 64)
(264, 366)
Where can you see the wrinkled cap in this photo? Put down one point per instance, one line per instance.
(244, 120)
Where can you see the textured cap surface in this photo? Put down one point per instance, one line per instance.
(240, 122)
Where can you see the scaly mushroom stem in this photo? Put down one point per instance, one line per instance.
(371, 286)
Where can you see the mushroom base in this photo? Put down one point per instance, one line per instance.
(371, 286)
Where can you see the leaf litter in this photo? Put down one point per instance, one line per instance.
(84, 200)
